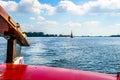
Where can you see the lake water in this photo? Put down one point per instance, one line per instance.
(99, 54)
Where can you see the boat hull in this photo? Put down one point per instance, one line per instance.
(29, 72)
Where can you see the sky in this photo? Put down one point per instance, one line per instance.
(82, 17)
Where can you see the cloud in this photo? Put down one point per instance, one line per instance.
(109, 4)
(40, 18)
(51, 22)
(44, 22)
(68, 6)
(64, 6)
(24, 6)
(9, 5)
(118, 24)
(104, 6)
(47, 23)
(98, 6)
(28, 6)
(32, 18)
(112, 29)
(27, 27)
(47, 9)
(91, 23)
(72, 24)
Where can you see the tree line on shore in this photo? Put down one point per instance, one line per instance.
(42, 34)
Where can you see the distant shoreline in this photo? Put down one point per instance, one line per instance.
(42, 34)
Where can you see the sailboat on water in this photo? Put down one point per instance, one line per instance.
(71, 35)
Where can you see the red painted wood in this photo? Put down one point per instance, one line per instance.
(8, 27)
(28, 72)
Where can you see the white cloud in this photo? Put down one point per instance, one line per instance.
(98, 6)
(10, 5)
(51, 22)
(72, 24)
(47, 23)
(112, 29)
(91, 23)
(32, 18)
(40, 18)
(104, 6)
(118, 25)
(44, 22)
(109, 4)
(68, 6)
(28, 6)
(47, 9)
(32, 6)
(27, 27)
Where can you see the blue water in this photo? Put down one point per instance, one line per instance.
(3, 48)
(99, 54)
